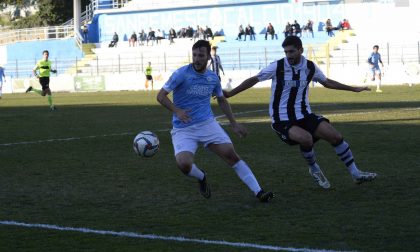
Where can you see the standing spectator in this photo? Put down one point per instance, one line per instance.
(133, 39)
(114, 41)
(374, 60)
(85, 33)
(270, 30)
(149, 76)
(208, 33)
(241, 32)
(194, 123)
(309, 28)
(329, 28)
(215, 62)
(296, 30)
(172, 35)
(151, 36)
(2, 76)
(44, 68)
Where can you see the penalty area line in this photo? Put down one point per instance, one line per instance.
(158, 237)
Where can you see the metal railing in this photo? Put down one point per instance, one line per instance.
(232, 58)
(39, 33)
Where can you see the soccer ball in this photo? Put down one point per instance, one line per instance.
(146, 144)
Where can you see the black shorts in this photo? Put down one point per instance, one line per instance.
(309, 123)
(149, 77)
(45, 82)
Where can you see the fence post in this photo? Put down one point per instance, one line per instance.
(418, 50)
(119, 64)
(76, 65)
(97, 65)
(17, 69)
(358, 56)
(164, 60)
(239, 58)
(387, 48)
(265, 55)
(142, 69)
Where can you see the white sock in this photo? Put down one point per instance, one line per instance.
(246, 175)
(196, 173)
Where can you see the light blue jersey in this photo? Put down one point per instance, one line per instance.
(193, 90)
(374, 59)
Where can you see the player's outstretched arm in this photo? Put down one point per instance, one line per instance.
(332, 84)
(224, 105)
(163, 99)
(242, 87)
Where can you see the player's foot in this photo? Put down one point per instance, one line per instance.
(204, 187)
(29, 89)
(319, 178)
(378, 91)
(52, 108)
(264, 196)
(364, 177)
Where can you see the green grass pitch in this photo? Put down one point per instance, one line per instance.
(96, 181)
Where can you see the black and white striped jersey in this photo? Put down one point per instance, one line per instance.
(290, 88)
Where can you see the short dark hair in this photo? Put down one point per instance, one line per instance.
(202, 43)
(46, 51)
(376, 46)
(292, 40)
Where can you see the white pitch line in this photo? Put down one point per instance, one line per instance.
(217, 117)
(160, 237)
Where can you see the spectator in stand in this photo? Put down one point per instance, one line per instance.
(329, 28)
(85, 33)
(114, 41)
(215, 62)
(249, 30)
(133, 39)
(2, 76)
(208, 33)
(151, 36)
(345, 25)
(159, 36)
(189, 32)
(142, 37)
(308, 28)
(172, 35)
(288, 31)
(296, 30)
(270, 30)
(241, 32)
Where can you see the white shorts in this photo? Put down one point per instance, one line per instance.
(207, 132)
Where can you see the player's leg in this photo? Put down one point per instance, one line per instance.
(50, 99)
(327, 132)
(305, 140)
(379, 81)
(227, 152)
(185, 147)
(1, 87)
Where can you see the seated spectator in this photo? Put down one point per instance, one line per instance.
(308, 28)
(159, 36)
(288, 30)
(133, 39)
(142, 37)
(345, 25)
(329, 28)
(208, 33)
(172, 35)
(296, 30)
(270, 30)
(249, 30)
(114, 41)
(151, 36)
(241, 32)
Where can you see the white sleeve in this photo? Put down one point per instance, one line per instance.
(318, 75)
(268, 73)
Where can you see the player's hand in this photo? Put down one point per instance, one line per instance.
(182, 115)
(53, 71)
(360, 89)
(239, 129)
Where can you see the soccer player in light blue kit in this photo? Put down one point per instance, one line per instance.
(194, 123)
(373, 61)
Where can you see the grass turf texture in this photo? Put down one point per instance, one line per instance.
(99, 183)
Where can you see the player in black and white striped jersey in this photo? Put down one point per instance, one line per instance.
(292, 118)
